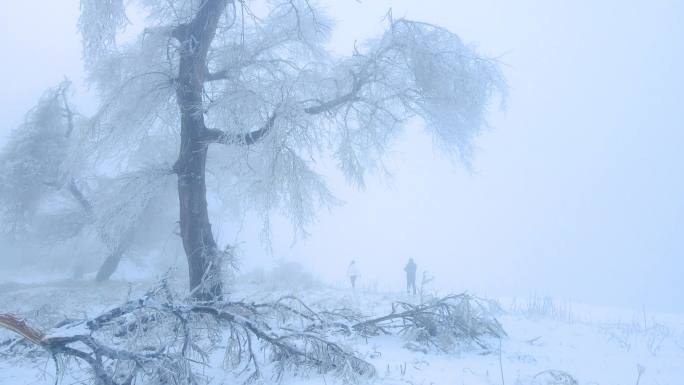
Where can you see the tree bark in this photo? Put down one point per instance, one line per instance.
(204, 263)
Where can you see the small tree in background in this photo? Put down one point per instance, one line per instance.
(31, 159)
(50, 202)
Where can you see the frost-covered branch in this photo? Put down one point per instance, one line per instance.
(247, 139)
(330, 105)
(161, 338)
(441, 323)
(99, 23)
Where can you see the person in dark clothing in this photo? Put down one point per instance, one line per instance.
(410, 270)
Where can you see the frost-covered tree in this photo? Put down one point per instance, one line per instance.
(31, 159)
(254, 81)
(52, 200)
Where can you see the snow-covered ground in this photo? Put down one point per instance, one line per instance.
(548, 342)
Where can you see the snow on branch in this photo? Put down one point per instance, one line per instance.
(161, 338)
(441, 323)
(99, 24)
(247, 139)
(122, 202)
(454, 85)
(137, 96)
(414, 69)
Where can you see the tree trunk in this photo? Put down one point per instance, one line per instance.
(198, 241)
(204, 263)
(111, 263)
(109, 266)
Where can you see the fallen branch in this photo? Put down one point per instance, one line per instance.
(439, 323)
(157, 339)
(160, 338)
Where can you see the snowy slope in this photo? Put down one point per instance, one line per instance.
(548, 343)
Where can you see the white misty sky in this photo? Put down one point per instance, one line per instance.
(576, 192)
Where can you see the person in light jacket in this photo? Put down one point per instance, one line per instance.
(410, 270)
(353, 273)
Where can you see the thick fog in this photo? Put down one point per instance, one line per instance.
(575, 192)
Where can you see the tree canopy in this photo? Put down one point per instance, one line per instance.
(256, 81)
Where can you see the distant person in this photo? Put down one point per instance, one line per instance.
(353, 273)
(410, 270)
